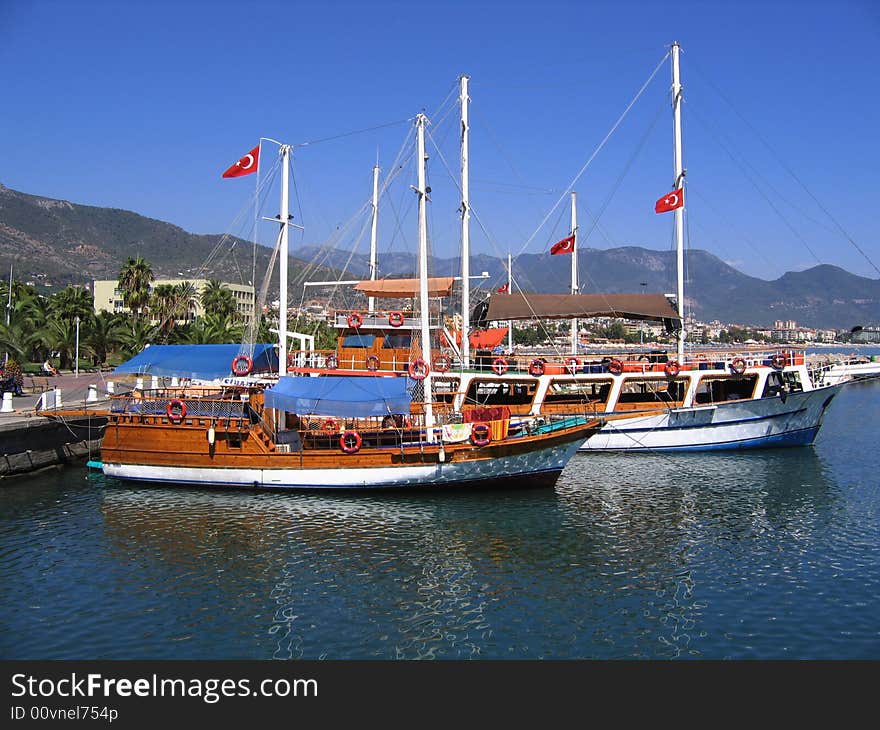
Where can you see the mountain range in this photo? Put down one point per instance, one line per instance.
(56, 243)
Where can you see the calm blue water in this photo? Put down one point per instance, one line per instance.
(771, 554)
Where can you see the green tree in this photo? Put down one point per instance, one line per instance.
(104, 335)
(217, 299)
(72, 302)
(134, 280)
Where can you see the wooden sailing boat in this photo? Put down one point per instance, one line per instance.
(335, 431)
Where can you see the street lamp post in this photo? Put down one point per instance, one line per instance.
(76, 359)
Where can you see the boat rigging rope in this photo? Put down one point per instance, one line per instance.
(598, 149)
(816, 200)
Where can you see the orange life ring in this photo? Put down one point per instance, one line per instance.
(572, 364)
(395, 318)
(442, 363)
(350, 442)
(248, 365)
(176, 410)
(372, 363)
(481, 435)
(777, 362)
(331, 362)
(536, 368)
(418, 369)
(499, 366)
(738, 365)
(355, 320)
(672, 368)
(330, 426)
(290, 359)
(615, 367)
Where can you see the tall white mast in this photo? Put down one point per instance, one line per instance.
(465, 229)
(422, 192)
(283, 217)
(509, 291)
(678, 182)
(371, 301)
(574, 270)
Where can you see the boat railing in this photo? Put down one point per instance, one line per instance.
(396, 319)
(178, 406)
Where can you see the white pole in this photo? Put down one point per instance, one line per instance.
(509, 291)
(76, 361)
(465, 229)
(282, 268)
(373, 230)
(8, 312)
(574, 270)
(677, 182)
(421, 119)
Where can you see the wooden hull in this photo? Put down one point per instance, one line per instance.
(181, 454)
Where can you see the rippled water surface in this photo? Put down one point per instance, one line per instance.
(769, 554)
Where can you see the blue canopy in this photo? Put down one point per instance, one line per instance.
(206, 362)
(339, 395)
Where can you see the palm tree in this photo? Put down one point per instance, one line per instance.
(185, 295)
(134, 280)
(217, 299)
(104, 334)
(163, 306)
(72, 302)
(213, 329)
(136, 336)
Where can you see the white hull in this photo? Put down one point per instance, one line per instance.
(534, 468)
(757, 423)
(842, 372)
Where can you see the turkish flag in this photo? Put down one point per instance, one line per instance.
(246, 165)
(503, 289)
(566, 245)
(673, 200)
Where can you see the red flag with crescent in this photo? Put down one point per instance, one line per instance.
(246, 165)
(673, 200)
(566, 245)
(503, 289)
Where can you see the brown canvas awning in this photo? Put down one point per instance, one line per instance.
(405, 288)
(567, 306)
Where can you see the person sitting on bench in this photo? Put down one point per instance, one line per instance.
(48, 368)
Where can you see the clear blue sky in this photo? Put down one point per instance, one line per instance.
(142, 105)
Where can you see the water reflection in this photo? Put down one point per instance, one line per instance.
(612, 563)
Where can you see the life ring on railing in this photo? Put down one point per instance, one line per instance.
(777, 362)
(738, 366)
(350, 442)
(355, 320)
(481, 435)
(248, 365)
(176, 410)
(672, 368)
(536, 368)
(331, 362)
(572, 364)
(499, 366)
(442, 363)
(418, 369)
(330, 426)
(395, 318)
(372, 363)
(615, 366)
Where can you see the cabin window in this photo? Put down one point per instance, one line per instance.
(718, 390)
(505, 392)
(578, 391)
(655, 390)
(364, 341)
(445, 389)
(397, 341)
(777, 383)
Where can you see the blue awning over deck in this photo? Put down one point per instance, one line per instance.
(339, 395)
(205, 362)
